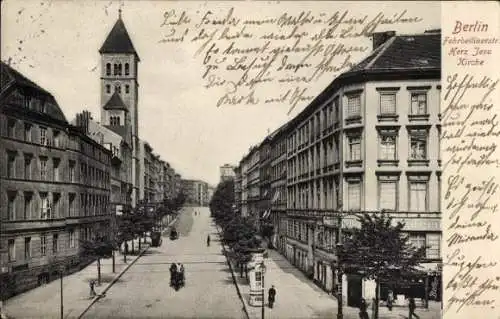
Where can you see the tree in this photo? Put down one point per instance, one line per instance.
(380, 251)
(100, 247)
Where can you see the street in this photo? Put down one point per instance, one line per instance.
(144, 290)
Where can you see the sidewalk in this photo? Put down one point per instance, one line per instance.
(45, 301)
(299, 297)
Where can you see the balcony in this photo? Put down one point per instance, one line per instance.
(418, 117)
(353, 163)
(418, 162)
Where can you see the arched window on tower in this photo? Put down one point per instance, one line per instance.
(108, 88)
(127, 69)
(120, 69)
(127, 88)
(118, 88)
(115, 69)
(108, 68)
(114, 120)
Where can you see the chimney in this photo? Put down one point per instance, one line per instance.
(380, 38)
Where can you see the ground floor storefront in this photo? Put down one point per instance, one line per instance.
(321, 268)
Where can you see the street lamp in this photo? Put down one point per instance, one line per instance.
(263, 270)
(61, 272)
(340, 314)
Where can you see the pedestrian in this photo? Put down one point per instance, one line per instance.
(363, 306)
(92, 290)
(126, 248)
(390, 299)
(271, 296)
(411, 307)
(208, 240)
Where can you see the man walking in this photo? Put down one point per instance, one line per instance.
(208, 240)
(271, 295)
(412, 306)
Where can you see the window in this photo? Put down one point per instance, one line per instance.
(387, 193)
(108, 88)
(11, 128)
(72, 239)
(108, 69)
(418, 145)
(28, 198)
(127, 69)
(11, 250)
(43, 136)
(43, 168)
(354, 106)
(127, 88)
(118, 88)
(27, 248)
(11, 164)
(43, 245)
(71, 199)
(354, 148)
(27, 132)
(115, 69)
(418, 195)
(120, 69)
(418, 103)
(114, 121)
(417, 240)
(388, 103)
(55, 171)
(55, 243)
(433, 246)
(56, 139)
(11, 205)
(44, 206)
(387, 146)
(354, 195)
(55, 205)
(72, 171)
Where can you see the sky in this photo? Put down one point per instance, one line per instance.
(56, 43)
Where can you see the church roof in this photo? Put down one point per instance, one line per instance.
(118, 40)
(115, 102)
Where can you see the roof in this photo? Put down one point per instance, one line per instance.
(115, 102)
(118, 40)
(400, 57)
(404, 52)
(10, 79)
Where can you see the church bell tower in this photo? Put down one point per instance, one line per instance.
(119, 92)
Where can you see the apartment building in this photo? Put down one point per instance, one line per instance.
(227, 172)
(55, 186)
(196, 192)
(278, 187)
(369, 142)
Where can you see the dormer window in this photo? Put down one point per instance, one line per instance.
(108, 69)
(127, 88)
(118, 88)
(108, 88)
(127, 69)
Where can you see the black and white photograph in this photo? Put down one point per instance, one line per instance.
(221, 159)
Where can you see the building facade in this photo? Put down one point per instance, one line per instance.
(368, 143)
(227, 172)
(55, 183)
(196, 192)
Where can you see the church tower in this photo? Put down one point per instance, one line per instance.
(119, 93)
